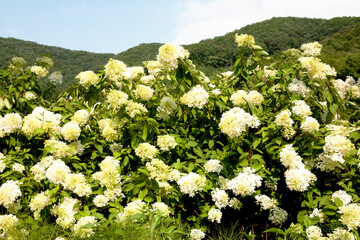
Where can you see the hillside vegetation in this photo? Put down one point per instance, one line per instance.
(339, 37)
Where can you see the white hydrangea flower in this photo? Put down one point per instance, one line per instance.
(309, 124)
(350, 215)
(17, 167)
(299, 88)
(87, 78)
(166, 142)
(299, 179)
(215, 215)
(196, 97)
(196, 234)
(9, 192)
(144, 92)
(311, 49)
(284, 118)
(278, 215)
(162, 207)
(342, 195)
(265, 202)
(191, 183)
(245, 182)
(169, 54)
(213, 165)
(301, 109)
(234, 122)
(314, 233)
(71, 131)
(290, 158)
(84, 232)
(220, 197)
(145, 151)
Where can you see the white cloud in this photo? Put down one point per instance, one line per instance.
(199, 20)
(11, 32)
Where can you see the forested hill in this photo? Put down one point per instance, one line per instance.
(339, 37)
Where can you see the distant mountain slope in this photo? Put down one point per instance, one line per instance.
(339, 36)
(69, 62)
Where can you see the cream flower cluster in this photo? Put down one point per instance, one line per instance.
(10, 122)
(39, 169)
(80, 117)
(278, 215)
(301, 109)
(196, 234)
(116, 99)
(8, 224)
(337, 144)
(265, 202)
(245, 182)
(241, 98)
(169, 54)
(133, 108)
(166, 108)
(153, 67)
(87, 78)
(29, 96)
(191, 183)
(39, 71)
(244, 40)
(58, 149)
(213, 165)
(131, 209)
(166, 142)
(84, 232)
(215, 215)
(145, 151)
(65, 212)
(290, 158)
(41, 121)
(226, 76)
(56, 78)
(76, 182)
(57, 172)
(269, 72)
(314, 233)
(338, 129)
(2, 163)
(108, 129)
(309, 124)
(284, 118)
(311, 49)
(234, 122)
(235, 203)
(109, 177)
(340, 233)
(143, 92)
(298, 88)
(148, 79)
(296, 176)
(220, 197)
(100, 201)
(18, 167)
(349, 85)
(131, 73)
(162, 207)
(9, 192)
(196, 97)
(71, 131)
(316, 69)
(158, 170)
(299, 179)
(342, 195)
(350, 215)
(317, 213)
(38, 203)
(114, 69)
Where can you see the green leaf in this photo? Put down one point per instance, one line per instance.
(192, 143)
(144, 132)
(275, 230)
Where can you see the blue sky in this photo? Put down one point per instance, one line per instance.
(110, 26)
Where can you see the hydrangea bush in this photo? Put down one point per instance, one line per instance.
(272, 145)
